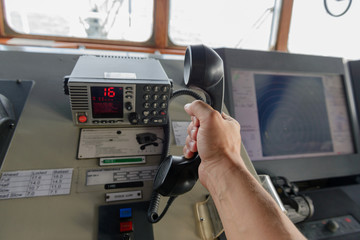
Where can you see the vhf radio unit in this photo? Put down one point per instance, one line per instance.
(118, 91)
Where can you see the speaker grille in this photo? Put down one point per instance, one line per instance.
(79, 98)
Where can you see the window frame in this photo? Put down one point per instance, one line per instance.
(158, 42)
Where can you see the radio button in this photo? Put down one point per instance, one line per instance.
(129, 96)
(147, 88)
(165, 88)
(146, 120)
(129, 88)
(146, 113)
(128, 106)
(155, 105)
(164, 97)
(82, 119)
(147, 97)
(154, 113)
(146, 105)
(163, 105)
(129, 92)
(155, 97)
(134, 118)
(158, 120)
(163, 113)
(156, 88)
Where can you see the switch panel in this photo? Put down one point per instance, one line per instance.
(330, 227)
(124, 221)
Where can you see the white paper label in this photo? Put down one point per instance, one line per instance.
(119, 75)
(117, 142)
(119, 175)
(122, 196)
(180, 132)
(34, 183)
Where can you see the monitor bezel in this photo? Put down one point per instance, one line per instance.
(297, 169)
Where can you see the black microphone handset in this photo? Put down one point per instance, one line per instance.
(203, 70)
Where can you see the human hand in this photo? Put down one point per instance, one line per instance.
(216, 138)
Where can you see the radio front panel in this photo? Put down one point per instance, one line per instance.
(119, 102)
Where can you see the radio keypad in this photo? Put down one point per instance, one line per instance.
(155, 104)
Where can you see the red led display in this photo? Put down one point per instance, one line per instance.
(107, 102)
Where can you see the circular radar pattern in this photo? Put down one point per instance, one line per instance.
(292, 115)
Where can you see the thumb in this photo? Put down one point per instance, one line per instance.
(199, 109)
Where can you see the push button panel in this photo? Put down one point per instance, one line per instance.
(154, 100)
(124, 221)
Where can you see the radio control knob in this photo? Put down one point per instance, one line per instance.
(332, 226)
(134, 118)
(128, 106)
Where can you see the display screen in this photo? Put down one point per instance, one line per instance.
(290, 115)
(107, 102)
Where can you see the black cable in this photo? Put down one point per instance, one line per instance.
(186, 92)
(336, 15)
(153, 216)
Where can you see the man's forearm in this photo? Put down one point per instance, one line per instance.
(247, 211)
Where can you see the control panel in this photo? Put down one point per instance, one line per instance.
(124, 222)
(114, 93)
(330, 227)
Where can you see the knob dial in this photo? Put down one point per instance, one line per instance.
(332, 226)
(134, 118)
(128, 106)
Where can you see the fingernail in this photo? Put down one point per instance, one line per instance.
(187, 105)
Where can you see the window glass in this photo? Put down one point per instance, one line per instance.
(227, 23)
(129, 20)
(314, 31)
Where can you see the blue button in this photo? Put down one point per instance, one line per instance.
(125, 213)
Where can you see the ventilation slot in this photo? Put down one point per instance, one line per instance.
(79, 98)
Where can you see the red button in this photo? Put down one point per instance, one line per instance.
(82, 119)
(126, 226)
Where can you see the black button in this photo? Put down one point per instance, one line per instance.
(146, 105)
(128, 106)
(156, 88)
(146, 97)
(146, 113)
(158, 120)
(165, 88)
(163, 105)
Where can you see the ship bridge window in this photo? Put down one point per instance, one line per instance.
(122, 20)
(326, 27)
(230, 23)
